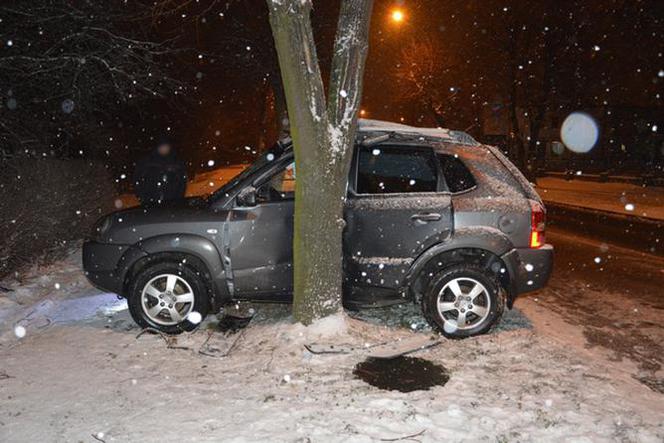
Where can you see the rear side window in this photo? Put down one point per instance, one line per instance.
(396, 170)
(457, 176)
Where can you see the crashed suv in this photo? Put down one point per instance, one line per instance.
(432, 217)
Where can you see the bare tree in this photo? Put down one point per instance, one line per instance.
(424, 76)
(68, 68)
(323, 128)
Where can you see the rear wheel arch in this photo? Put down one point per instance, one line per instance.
(437, 259)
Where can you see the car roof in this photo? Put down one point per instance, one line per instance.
(367, 126)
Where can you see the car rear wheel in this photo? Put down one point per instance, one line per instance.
(168, 297)
(462, 301)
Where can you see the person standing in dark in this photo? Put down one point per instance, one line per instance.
(160, 177)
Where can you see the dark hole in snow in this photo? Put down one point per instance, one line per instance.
(403, 374)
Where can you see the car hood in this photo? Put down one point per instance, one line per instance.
(134, 225)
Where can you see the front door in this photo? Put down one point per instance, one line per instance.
(398, 206)
(261, 238)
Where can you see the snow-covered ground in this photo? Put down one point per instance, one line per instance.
(623, 198)
(81, 374)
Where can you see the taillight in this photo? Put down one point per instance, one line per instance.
(537, 225)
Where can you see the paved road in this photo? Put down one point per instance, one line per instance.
(615, 295)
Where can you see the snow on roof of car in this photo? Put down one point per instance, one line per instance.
(368, 125)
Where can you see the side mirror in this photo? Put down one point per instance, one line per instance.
(247, 197)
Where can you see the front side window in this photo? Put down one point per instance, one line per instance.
(393, 170)
(280, 187)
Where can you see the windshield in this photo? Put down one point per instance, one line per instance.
(268, 156)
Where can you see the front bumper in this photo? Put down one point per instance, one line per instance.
(529, 269)
(102, 263)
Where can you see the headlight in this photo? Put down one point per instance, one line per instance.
(102, 226)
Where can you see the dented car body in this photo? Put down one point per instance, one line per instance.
(431, 217)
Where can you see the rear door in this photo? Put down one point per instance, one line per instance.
(398, 206)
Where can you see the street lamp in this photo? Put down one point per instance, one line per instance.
(397, 15)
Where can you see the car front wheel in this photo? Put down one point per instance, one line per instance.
(168, 297)
(462, 301)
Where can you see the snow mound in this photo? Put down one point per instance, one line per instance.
(330, 326)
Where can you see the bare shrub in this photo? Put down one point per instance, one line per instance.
(45, 205)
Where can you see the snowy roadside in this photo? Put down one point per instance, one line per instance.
(87, 374)
(620, 198)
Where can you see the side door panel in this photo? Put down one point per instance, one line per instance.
(386, 230)
(261, 249)
(261, 237)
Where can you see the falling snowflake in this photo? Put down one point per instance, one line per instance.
(67, 106)
(19, 331)
(194, 317)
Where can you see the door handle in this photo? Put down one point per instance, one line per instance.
(426, 216)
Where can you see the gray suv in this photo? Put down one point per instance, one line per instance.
(432, 217)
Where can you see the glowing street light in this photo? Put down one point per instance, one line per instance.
(397, 15)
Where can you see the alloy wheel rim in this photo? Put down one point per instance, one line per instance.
(463, 303)
(167, 299)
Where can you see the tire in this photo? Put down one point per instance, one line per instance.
(149, 291)
(466, 288)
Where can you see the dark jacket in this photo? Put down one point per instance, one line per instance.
(160, 179)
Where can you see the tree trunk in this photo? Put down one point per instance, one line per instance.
(323, 133)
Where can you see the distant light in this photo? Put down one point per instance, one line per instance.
(579, 132)
(397, 15)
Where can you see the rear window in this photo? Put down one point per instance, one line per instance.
(396, 170)
(457, 176)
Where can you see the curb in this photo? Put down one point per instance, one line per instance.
(640, 233)
(600, 178)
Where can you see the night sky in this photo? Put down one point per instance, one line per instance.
(601, 57)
